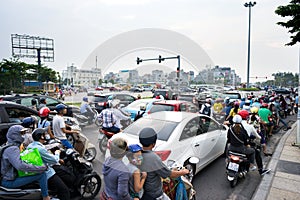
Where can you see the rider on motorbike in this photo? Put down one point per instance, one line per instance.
(54, 181)
(118, 113)
(238, 140)
(11, 161)
(252, 133)
(108, 119)
(85, 109)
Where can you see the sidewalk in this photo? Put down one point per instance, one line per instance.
(283, 182)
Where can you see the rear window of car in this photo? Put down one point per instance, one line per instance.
(163, 128)
(158, 108)
(233, 95)
(99, 99)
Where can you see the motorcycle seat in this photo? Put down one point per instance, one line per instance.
(237, 154)
(107, 133)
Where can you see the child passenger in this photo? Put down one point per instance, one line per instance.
(137, 179)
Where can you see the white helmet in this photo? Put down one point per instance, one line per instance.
(237, 119)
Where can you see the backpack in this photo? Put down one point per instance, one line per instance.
(206, 110)
(2, 148)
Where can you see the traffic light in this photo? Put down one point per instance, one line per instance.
(160, 59)
(178, 71)
(138, 60)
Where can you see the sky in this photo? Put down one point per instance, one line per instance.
(220, 27)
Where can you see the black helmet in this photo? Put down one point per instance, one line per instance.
(38, 133)
(43, 100)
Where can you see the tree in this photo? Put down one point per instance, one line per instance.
(291, 10)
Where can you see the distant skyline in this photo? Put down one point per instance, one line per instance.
(220, 27)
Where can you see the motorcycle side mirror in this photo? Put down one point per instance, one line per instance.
(193, 160)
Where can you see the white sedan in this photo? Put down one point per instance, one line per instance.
(181, 136)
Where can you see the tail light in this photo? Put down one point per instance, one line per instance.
(163, 154)
(234, 158)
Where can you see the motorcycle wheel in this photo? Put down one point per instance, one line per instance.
(90, 154)
(71, 139)
(90, 187)
(233, 183)
(98, 123)
(103, 144)
(191, 168)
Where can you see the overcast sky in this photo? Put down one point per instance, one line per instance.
(220, 27)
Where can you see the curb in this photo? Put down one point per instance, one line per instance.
(265, 185)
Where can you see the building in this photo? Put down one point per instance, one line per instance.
(82, 77)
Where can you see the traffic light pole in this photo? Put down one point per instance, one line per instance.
(138, 61)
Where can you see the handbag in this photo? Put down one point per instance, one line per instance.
(30, 156)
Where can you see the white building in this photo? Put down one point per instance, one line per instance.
(74, 76)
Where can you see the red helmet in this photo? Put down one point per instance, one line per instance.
(44, 112)
(244, 114)
(264, 105)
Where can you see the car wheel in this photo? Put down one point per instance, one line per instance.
(191, 168)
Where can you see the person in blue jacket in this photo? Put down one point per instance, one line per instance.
(11, 162)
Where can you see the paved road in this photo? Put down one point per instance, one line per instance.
(211, 183)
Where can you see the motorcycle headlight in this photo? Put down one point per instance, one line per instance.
(170, 163)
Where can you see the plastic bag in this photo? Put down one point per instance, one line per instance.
(31, 156)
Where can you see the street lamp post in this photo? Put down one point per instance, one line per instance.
(249, 5)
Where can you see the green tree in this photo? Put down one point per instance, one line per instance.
(291, 11)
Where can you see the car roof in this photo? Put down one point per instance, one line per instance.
(171, 116)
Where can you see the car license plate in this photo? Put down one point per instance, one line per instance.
(233, 166)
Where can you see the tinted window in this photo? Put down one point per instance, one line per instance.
(157, 108)
(191, 129)
(99, 99)
(16, 114)
(51, 102)
(163, 128)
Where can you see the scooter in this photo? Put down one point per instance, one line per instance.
(237, 167)
(79, 141)
(87, 182)
(84, 120)
(170, 185)
(105, 135)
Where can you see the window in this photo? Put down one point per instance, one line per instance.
(191, 129)
(16, 115)
(51, 102)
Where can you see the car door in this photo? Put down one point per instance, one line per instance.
(211, 132)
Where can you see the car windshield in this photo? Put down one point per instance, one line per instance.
(163, 128)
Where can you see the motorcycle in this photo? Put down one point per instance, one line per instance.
(105, 135)
(79, 141)
(170, 185)
(237, 167)
(84, 120)
(87, 181)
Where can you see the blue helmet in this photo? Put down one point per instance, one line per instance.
(85, 99)
(134, 148)
(29, 121)
(60, 107)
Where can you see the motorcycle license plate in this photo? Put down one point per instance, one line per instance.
(233, 166)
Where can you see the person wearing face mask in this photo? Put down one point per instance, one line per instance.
(11, 162)
(137, 179)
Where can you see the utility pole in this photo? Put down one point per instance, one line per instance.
(249, 5)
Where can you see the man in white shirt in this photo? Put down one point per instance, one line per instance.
(59, 126)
